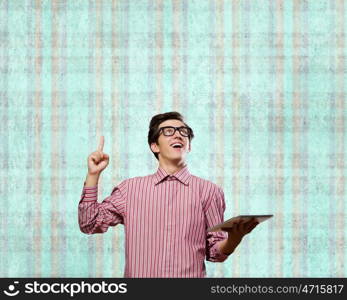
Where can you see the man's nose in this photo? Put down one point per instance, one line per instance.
(178, 134)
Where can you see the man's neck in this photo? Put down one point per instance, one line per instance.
(171, 168)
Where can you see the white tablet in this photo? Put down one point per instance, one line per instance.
(245, 218)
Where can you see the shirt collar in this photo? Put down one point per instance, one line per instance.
(182, 175)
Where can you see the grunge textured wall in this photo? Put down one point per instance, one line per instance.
(262, 83)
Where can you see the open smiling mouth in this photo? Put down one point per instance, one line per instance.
(177, 146)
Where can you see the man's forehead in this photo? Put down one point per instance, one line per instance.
(175, 123)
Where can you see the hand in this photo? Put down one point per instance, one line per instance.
(98, 161)
(240, 229)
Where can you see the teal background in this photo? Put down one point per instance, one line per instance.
(262, 83)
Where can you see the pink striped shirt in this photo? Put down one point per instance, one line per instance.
(165, 219)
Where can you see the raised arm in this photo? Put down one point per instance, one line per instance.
(94, 217)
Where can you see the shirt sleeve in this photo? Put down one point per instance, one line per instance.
(214, 215)
(94, 217)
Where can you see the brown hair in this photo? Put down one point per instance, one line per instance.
(153, 133)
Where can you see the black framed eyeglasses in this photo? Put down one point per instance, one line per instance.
(170, 130)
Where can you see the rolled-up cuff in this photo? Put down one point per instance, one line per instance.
(216, 254)
(89, 194)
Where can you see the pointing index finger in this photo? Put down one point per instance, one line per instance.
(101, 144)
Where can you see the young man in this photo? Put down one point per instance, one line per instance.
(165, 214)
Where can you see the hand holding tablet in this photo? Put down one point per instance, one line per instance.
(228, 224)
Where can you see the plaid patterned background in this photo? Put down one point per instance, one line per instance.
(262, 83)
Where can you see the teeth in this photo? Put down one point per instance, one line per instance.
(177, 144)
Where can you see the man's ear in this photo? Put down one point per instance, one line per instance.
(154, 148)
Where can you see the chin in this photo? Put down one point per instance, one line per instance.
(178, 157)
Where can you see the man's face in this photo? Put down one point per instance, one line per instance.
(166, 143)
